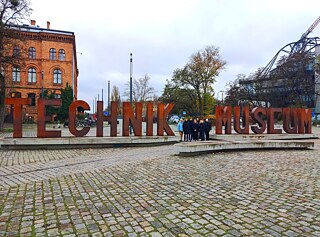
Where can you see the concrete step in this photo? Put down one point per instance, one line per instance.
(28, 143)
(195, 148)
(250, 137)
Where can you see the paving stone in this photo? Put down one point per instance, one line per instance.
(149, 192)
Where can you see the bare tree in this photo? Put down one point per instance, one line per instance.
(141, 90)
(12, 13)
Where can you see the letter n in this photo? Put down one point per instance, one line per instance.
(134, 120)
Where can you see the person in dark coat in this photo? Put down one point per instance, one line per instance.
(185, 127)
(207, 129)
(190, 130)
(195, 127)
(202, 128)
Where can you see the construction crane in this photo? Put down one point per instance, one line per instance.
(300, 45)
(304, 44)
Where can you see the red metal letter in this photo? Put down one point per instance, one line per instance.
(41, 129)
(72, 118)
(255, 114)
(162, 124)
(290, 120)
(304, 121)
(17, 113)
(270, 121)
(112, 119)
(223, 118)
(149, 119)
(135, 121)
(245, 120)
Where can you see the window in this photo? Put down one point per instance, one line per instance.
(57, 76)
(15, 94)
(2, 71)
(62, 54)
(32, 75)
(32, 96)
(32, 53)
(15, 74)
(16, 51)
(57, 96)
(53, 53)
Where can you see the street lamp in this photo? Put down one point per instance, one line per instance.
(222, 96)
(42, 76)
(108, 96)
(131, 69)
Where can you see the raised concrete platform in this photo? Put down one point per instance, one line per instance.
(249, 137)
(194, 148)
(83, 142)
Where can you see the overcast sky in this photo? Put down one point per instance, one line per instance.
(163, 34)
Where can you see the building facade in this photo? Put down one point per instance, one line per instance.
(46, 60)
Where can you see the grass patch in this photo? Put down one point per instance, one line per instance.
(7, 130)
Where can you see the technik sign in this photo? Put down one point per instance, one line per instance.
(295, 121)
(130, 117)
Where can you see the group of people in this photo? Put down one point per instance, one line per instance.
(194, 129)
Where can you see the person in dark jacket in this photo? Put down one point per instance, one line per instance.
(207, 129)
(202, 128)
(195, 127)
(185, 127)
(190, 130)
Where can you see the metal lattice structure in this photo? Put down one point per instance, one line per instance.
(263, 82)
(303, 45)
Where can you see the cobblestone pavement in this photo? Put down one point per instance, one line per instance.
(150, 192)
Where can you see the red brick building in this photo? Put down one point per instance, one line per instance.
(47, 59)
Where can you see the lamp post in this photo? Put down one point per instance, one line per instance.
(108, 96)
(42, 84)
(131, 69)
(222, 96)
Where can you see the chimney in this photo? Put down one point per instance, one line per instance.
(33, 22)
(48, 24)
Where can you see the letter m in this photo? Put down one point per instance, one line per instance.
(223, 118)
(304, 121)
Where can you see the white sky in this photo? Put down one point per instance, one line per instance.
(163, 34)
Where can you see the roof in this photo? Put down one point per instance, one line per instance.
(36, 29)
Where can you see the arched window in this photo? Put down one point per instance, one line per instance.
(32, 75)
(32, 96)
(62, 55)
(15, 74)
(53, 54)
(16, 51)
(57, 76)
(32, 53)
